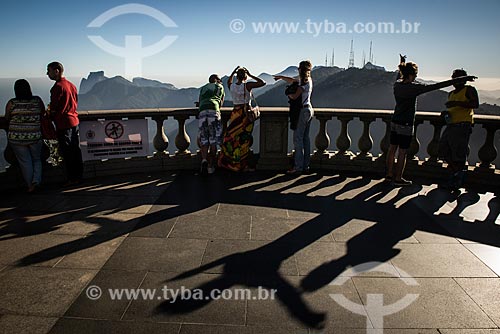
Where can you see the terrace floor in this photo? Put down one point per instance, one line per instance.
(420, 260)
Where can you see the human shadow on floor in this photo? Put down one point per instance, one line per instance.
(260, 267)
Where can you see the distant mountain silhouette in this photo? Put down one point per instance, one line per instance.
(93, 78)
(354, 88)
(119, 93)
(143, 82)
(368, 88)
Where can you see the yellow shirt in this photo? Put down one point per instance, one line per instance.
(460, 114)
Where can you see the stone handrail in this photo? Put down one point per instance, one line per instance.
(273, 151)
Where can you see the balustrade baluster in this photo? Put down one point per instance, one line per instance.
(415, 144)
(322, 140)
(344, 141)
(386, 141)
(160, 141)
(433, 147)
(365, 142)
(182, 140)
(488, 153)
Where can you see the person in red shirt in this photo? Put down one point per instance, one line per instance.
(63, 104)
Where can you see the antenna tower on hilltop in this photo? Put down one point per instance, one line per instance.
(370, 58)
(351, 56)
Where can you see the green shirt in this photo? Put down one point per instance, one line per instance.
(211, 96)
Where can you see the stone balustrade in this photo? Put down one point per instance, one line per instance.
(274, 146)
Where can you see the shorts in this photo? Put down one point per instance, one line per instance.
(210, 127)
(454, 143)
(401, 135)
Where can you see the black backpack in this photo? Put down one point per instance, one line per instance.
(295, 105)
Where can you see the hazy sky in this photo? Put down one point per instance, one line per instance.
(450, 34)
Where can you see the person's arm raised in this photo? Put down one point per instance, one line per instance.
(442, 84)
(285, 78)
(258, 82)
(230, 79)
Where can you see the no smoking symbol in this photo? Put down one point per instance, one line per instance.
(114, 130)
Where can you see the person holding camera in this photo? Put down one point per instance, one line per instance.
(301, 140)
(235, 150)
(454, 143)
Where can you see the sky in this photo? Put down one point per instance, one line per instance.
(451, 34)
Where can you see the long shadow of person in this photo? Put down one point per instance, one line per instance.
(261, 267)
(377, 243)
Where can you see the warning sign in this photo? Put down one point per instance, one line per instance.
(114, 139)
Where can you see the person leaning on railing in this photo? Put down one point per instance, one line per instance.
(23, 114)
(63, 105)
(406, 91)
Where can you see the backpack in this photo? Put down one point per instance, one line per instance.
(295, 105)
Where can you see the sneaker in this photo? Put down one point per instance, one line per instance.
(402, 183)
(204, 168)
(211, 170)
(293, 171)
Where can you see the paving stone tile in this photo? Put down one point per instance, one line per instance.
(90, 204)
(439, 260)
(323, 262)
(302, 214)
(274, 228)
(469, 331)
(227, 209)
(219, 311)
(105, 307)
(93, 253)
(149, 228)
(351, 229)
(23, 324)
(425, 237)
(41, 291)
(364, 331)
(38, 250)
(218, 227)
(32, 223)
(248, 256)
(86, 326)
(486, 293)
(441, 303)
(219, 329)
(157, 254)
(303, 309)
(39, 202)
(488, 254)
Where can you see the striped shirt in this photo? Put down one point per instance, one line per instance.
(24, 120)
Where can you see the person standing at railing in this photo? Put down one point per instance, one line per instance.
(63, 104)
(235, 150)
(209, 122)
(406, 91)
(301, 140)
(454, 143)
(23, 114)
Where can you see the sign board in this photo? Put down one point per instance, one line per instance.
(114, 139)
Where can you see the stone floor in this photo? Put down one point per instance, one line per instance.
(345, 254)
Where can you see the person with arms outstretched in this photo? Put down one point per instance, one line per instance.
(406, 91)
(301, 140)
